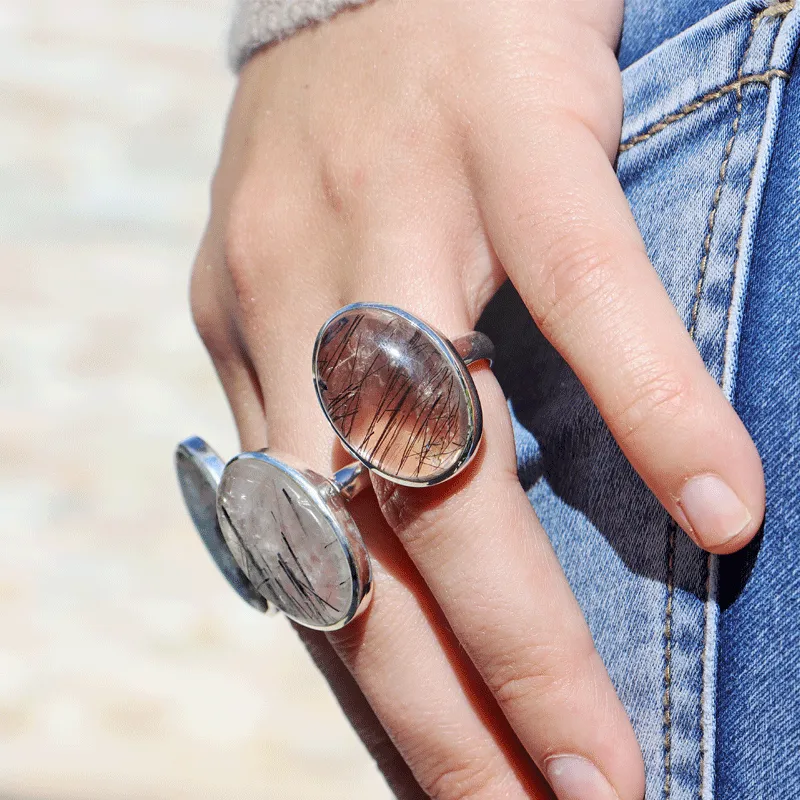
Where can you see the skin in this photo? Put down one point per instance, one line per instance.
(418, 154)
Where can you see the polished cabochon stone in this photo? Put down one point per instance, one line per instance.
(199, 470)
(288, 531)
(396, 393)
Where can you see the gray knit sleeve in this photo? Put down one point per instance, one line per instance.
(258, 22)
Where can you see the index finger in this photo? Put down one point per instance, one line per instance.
(560, 223)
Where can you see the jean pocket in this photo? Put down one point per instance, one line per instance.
(700, 121)
(701, 112)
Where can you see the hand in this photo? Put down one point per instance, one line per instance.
(417, 154)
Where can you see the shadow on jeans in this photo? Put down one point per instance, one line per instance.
(574, 452)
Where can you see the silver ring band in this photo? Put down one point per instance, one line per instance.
(351, 480)
(475, 346)
(199, 470)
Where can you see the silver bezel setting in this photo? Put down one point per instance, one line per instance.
(450, 354)
(195, 454)
(327, 499)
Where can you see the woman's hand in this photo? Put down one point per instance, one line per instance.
(417, 154)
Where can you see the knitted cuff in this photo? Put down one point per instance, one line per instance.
(258, 22)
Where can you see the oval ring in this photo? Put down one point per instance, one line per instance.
(199, 471)
(398, 393)
(291, 534)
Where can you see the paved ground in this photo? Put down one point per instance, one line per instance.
(127, 668)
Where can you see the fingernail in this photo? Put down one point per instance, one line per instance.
(713, 510)
(576, 778)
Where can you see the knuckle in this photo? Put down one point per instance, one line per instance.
(544, 670)
(577, 270)
(513, 684)
(274, 242)
(207, 324)
(239, 240)
(343, 173)
(207, 313)
(659, 396)
(257, 237)
(460, 779)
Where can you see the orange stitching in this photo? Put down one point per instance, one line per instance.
(775, 10)
(734, 86)
(712, 216)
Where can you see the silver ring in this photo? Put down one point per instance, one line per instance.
(292, 536)
(398, 393)
(199, 471)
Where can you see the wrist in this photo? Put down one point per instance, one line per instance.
(257, 23)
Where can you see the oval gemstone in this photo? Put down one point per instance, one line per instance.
(199, 471)
(276, 527)
(394, 394)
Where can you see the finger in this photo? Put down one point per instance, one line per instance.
(408, 665)
(210, 294)
(425, 692)
(413, 682)
(479, 547)
(369, 729)
(212, 299)
(561, 225)
(410, 669)
(244, 398)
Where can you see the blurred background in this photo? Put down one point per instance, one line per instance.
(128, 668)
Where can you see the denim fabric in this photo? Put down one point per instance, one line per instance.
(648, 23)
(758, 712)
(702, 114)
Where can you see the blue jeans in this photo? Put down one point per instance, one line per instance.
(704, 651)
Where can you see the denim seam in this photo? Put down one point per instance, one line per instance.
(723, 171)
(764, 78)
(738, 248)
(738, 288)
(779, 9)
(711, 562)
(734, 86)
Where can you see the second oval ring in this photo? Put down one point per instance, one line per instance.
(401, 399)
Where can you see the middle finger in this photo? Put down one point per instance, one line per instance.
(483, 554)
(407, 663)
(486, 559)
